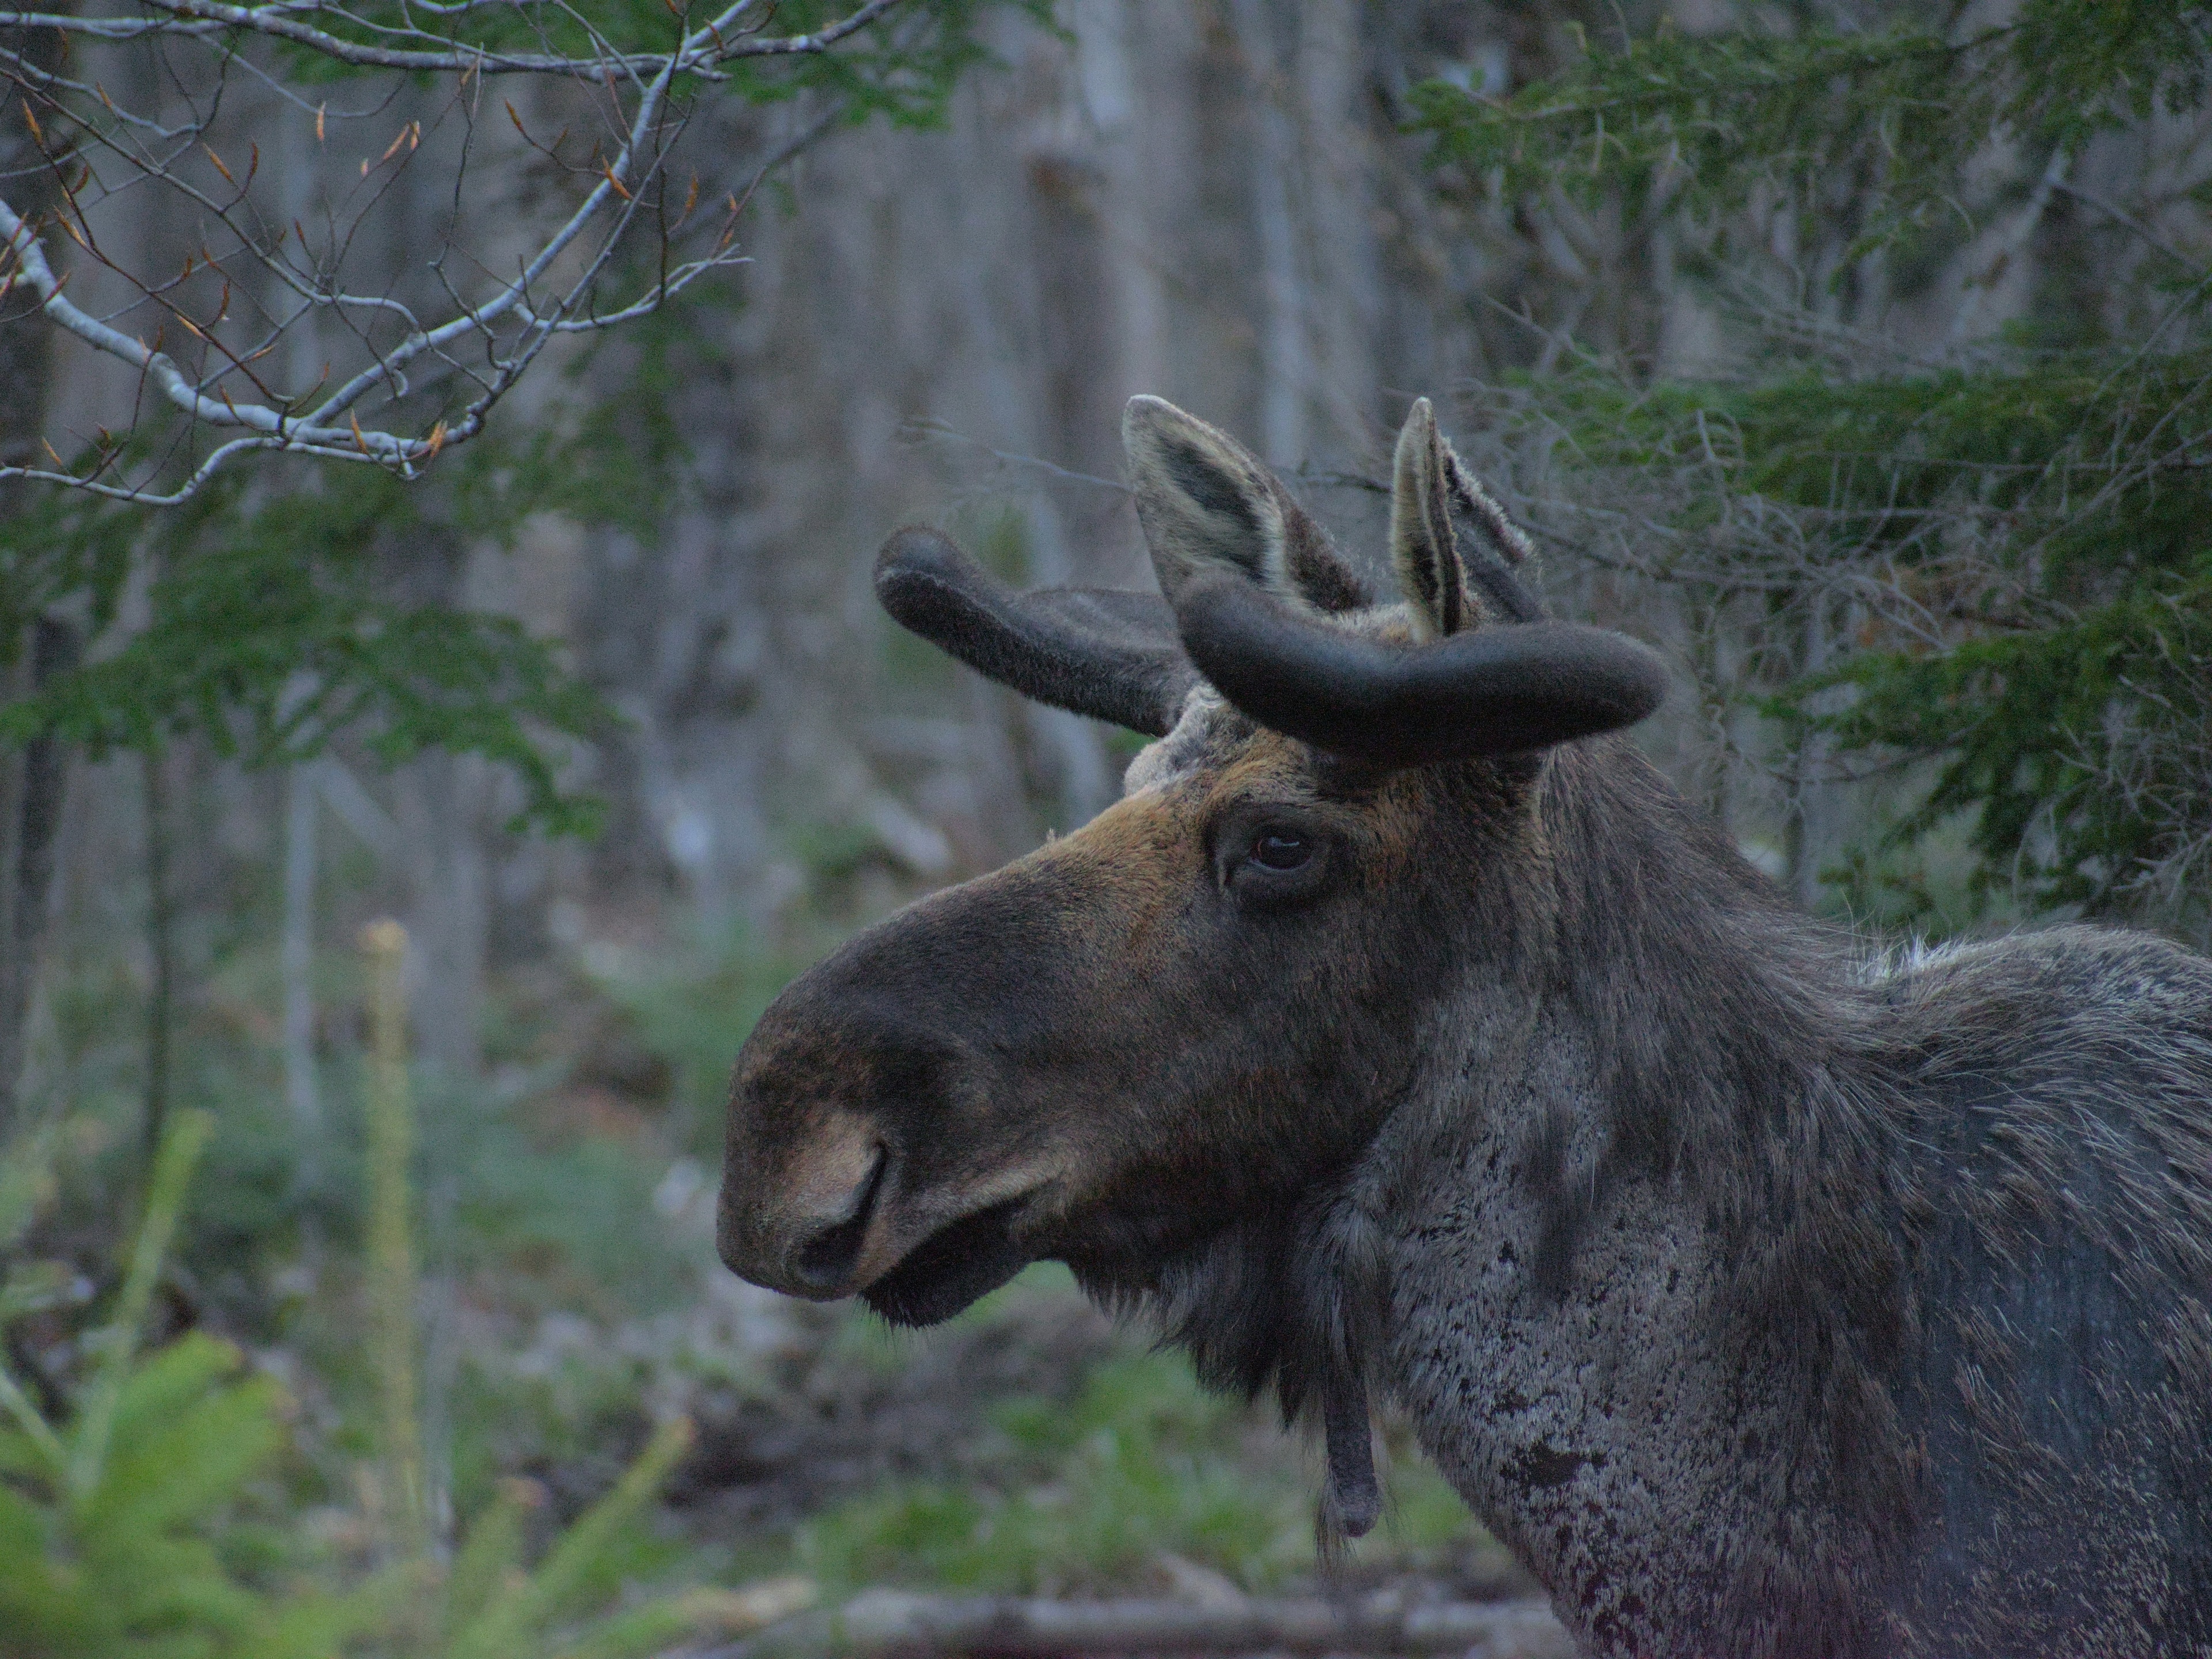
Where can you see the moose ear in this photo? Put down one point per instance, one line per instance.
(1422, 549)
(1499, 556)
(1208, 505)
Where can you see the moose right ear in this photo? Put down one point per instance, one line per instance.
(1208, 506)
(1422, 549)
(1499, 556)
(1111, 655)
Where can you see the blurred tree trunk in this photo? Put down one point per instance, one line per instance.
(161, 949)
(297, 957)
(31, 779)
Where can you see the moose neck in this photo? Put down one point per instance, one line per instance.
(1709, 1024)
(1640, 1238)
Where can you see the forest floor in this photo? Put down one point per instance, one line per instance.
(571, 1299)
(1035, 1447)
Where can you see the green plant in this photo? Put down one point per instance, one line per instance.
(489, 1603)
(113, 1523)
(1142, 1463)
(1899, 106)
(129, 1525)
(275, 624)
(1102, 1485)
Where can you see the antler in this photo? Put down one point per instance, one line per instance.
(1497, 690)
(1101, 652)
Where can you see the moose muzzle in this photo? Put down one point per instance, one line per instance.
(864, 1153)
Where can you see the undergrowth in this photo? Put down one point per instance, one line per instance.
(572, 1314)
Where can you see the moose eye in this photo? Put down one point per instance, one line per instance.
(1267, 861)
(1280, 851)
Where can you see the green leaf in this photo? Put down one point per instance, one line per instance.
(184, 1445)
(90, 1434)
(488, 1569)
(573, 1565)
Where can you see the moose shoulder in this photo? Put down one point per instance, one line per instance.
(1400, 1030)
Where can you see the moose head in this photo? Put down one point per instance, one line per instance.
(1148, 1048)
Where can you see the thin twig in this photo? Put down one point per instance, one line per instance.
(487, 343)
(198, 18)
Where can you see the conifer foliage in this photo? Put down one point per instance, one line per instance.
(127, 1516)
(109, 1546)
(2005, 527)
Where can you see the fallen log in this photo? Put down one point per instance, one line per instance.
(893, 1622)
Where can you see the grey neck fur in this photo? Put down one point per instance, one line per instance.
(1553, 1084)
(1635, 1221)
(1762, 1301)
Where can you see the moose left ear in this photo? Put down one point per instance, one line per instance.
(1208, 505)
(1423, 549)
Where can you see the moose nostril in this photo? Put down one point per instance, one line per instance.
(824, 1262)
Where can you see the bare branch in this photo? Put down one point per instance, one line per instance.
(30, 265)
(198, 19)
(206, 341)
(2128, 221)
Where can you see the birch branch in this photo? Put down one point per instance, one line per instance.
(197, 19)
(29, 265)
(495, 328)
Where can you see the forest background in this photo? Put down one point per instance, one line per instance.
(1853, 356)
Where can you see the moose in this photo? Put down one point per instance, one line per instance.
(1401, 1032)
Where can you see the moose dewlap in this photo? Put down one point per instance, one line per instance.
(1400, 1030)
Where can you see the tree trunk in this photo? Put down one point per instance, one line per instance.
(161, 943)
(31, 780)
(298, 947)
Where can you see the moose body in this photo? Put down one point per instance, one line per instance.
(1400, 1030)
